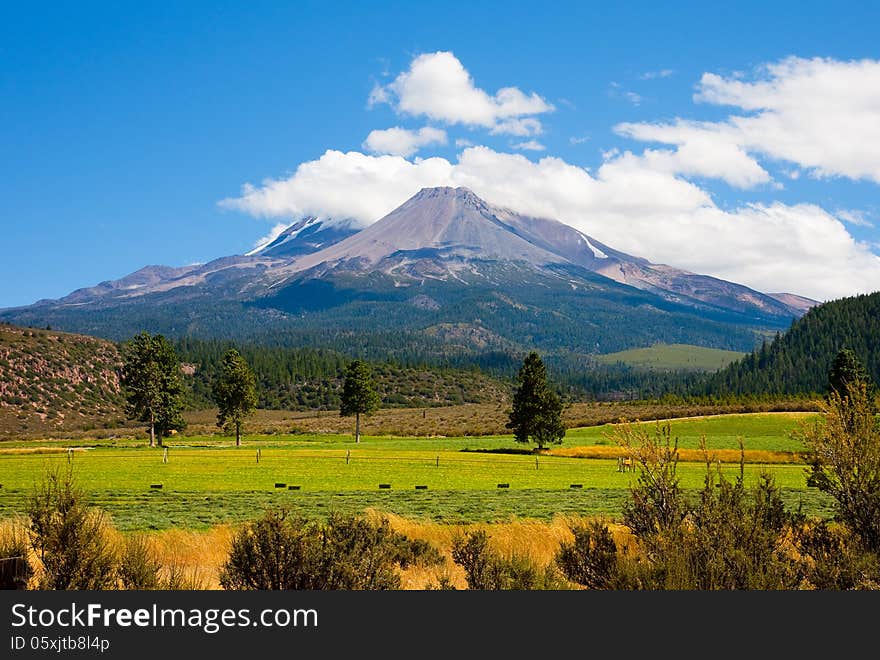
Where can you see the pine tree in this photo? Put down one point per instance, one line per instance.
(359, 395)
(152, 384)
(536, 414)
(235, 393)
(846, 370)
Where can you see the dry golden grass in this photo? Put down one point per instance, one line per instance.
(196, 556)
(685, 455)
(39, 450)
(535, 539)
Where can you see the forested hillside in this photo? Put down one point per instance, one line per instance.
(307, 378)
(798, 360)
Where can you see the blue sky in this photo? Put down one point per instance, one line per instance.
(730, 139)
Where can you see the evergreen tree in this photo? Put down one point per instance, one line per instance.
(359, 395)
(235, 393)
(845, 371)
(537, 410)
(152, 383)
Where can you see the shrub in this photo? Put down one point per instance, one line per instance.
(138, 566)
(844, 460)
(834, 561)
(281, 551)
(486, 570)
(731, 537)
(69, 538)
(15, 568)
(591, 559)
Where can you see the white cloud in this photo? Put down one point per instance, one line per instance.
(821, 114)
(629, 204)
(854, 217)
(403, 142)
(578, 140)
(653, 75)
(703, 149)
(530, 145)
(377, 96)
(616, 90)
(342, 185)
(439, 87)
(521, 127)
(462, 142)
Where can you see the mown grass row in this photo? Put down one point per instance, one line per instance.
(202, 510)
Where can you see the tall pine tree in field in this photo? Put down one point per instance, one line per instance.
(359, 395)
(536, 414)
(152, 384)
(235, 393)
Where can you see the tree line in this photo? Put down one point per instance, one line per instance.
(152, 382)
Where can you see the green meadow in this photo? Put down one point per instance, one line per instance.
(207, 481)
(672, 357)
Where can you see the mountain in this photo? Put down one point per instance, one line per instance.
(50, 380)
(308, 235)
(445, 274)
(798, 361)
(445, 229)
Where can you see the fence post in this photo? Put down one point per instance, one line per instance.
(347, 455)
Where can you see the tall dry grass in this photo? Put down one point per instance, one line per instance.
(537, 540)
(685, 455)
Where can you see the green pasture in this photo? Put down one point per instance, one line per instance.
(207, 481)
(671, 357)
(761, 431)
(220, 470)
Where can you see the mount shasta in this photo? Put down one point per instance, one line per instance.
(445, 272)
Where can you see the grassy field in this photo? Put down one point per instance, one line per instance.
(671, 357)
(207, 481)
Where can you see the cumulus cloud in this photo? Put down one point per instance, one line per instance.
(703, 149)
(372, 185)
(821, 114)
(438, 86)
(628, 204)
(403, 142)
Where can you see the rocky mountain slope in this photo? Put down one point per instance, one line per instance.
(51, 380)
